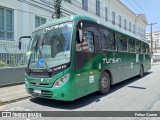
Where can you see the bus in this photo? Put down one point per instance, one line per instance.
(72, 57)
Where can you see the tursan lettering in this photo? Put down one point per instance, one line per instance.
(56, 26)
(111, 60)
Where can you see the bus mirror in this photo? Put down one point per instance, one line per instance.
(19, 45)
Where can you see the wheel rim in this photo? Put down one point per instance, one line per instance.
(104, 82)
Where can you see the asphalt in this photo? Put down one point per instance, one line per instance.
(17, 92)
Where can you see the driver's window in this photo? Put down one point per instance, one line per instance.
(88, 43)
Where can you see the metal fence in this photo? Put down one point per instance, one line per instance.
(156, 58)
(11, 56)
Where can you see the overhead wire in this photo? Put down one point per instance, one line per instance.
(103, 16)
(31, 12)
(146, 13)
(79, 5)
(148, 16)
(29, 3)
(133, 6)
(52, 6)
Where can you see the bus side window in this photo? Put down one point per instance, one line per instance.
(143, 48)
(147, 49)
(138, 46)
(122, 43)
(88, 43)
(108, 40)
(131, 45)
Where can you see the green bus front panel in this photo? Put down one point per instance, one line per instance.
(66, 92)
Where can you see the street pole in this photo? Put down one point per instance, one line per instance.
(155, 46)
(151, 40)
(151, 24)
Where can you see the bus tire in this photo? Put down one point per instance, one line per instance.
(104, 83)
(141, 72)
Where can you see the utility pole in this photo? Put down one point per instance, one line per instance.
(151, 24)
(155, 46)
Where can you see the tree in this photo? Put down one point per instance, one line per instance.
(57, 7)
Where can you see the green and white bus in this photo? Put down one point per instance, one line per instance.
(74, 56)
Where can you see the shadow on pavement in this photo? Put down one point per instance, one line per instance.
(94, 97)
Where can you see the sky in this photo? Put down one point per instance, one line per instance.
(151, 9)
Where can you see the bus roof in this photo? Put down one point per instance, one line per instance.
(64, 19)
(81, 17)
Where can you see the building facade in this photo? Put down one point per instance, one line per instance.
(21, 17)
(155, 42)
(113, 13)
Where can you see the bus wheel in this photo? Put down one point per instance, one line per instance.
(141, 73)
(104, 83)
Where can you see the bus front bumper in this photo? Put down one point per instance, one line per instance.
(64, 94)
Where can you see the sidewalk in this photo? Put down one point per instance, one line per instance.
(156, 63)
(12, 93)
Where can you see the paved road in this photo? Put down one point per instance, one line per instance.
(132, 95)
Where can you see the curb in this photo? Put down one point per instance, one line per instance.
(14, 100)
(10, 84)
(157, 63)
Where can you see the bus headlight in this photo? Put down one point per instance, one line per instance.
(61, 81)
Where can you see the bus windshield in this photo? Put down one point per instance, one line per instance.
(50, 46)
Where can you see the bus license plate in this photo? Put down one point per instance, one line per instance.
(37, 91)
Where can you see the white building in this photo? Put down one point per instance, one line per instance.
(113, 12)
(21, 17)
(155, 42)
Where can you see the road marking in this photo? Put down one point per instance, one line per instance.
(19, 108)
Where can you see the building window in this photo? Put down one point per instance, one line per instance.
(138, 30)
(98, 7)
(39, 21)
(125, 24)
(113, 18)
(6, 24)
(144, 33)
(130, 26)
(134, 28)
(141, 32)
(120, 21)
(85, 4)
(106, 14)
